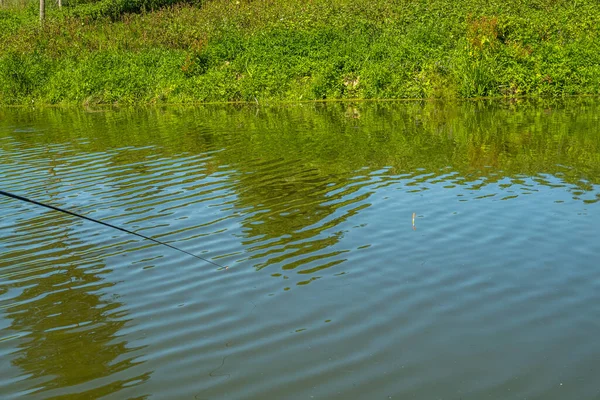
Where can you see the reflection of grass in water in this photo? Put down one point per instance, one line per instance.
(299, 172)
(295, 174)
(72, 335)
(521, 138)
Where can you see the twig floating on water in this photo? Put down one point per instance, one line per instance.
(211, 374)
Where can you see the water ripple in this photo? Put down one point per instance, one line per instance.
(330, 291)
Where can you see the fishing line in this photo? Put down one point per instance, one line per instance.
(51, 207)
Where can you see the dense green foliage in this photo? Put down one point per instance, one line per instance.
(117, 51)
(114, 9)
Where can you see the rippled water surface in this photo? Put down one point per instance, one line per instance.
(330, 291)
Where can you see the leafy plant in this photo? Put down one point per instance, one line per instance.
(131, 51)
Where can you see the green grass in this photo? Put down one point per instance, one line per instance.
(151, 51)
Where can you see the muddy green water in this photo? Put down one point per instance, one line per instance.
(330, 291)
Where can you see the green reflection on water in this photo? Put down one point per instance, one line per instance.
(292, 169)
(69, 326)
(336, 139)
(286, 161)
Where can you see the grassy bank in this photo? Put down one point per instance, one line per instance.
(259, 50)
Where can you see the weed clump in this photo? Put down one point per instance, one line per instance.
(117, 51)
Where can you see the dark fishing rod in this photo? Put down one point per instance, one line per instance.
(51, 207)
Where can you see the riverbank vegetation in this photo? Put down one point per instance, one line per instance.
(164, 51)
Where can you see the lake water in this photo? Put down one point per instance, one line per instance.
(330, 291)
